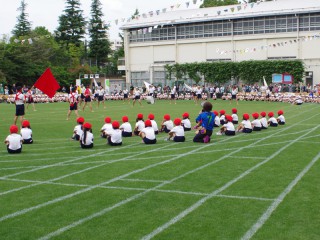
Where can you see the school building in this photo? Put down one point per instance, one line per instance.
(282, 29)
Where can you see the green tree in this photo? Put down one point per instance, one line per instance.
(71, 29)
(217, 3)
(23, 26)
(99, 45)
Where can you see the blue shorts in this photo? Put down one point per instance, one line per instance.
(179, 139)
(20, 110)
(148, 141)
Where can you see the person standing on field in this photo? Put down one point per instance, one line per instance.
(19, 102)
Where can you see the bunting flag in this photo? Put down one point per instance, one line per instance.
(158, 12)
(47, 83)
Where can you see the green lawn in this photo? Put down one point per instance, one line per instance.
(263, 185)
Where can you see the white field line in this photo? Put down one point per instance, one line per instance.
(141, 180)
(199, 203)
(74, 173)
(266, 215)
(134, 197)
(244, 197)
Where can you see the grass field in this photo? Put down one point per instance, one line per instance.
(262, 185)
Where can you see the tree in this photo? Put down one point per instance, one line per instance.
(23, 27)
(99, 45)
(71, 29)
(217, 3)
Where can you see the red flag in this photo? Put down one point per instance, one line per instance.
(47, 83)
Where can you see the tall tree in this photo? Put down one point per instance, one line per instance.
(217, 3)
(23, 26)
(71, 29)
(99, 45)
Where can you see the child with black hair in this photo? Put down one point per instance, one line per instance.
(139, 124)
(207, 122)
(14, 140)
(86, 139)
(186, 122)
(77, 131)
(19, 101)
(26, 132)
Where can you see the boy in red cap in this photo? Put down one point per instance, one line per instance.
(73, 102)
(256, 123)
(222, 117)
(167, 124)
(177, 133)
(228, 128)
(19, 102)
(245, 126)
(147, 133)
(126, 127)
(26, 132)
(154, 123)
(77, 131)
(14, 140)
(263, 120)
(139, 124)
(272, 120)
(107, 126)
(216, 119)
(86, 139)
(114, 136)
(235, 118)
(281, 120)
(186, 122)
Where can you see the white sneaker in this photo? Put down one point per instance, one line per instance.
(166, 139)
(219, 133)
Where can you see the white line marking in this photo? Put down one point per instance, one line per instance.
(266, 215)
(142, 180)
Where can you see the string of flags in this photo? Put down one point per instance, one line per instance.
(272, 45)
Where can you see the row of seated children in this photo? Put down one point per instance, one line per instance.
(15, 140)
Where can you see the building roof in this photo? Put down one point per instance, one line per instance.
(278, 7)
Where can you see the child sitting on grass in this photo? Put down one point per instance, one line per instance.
(206, 117)
(177, 133)
(14, 140)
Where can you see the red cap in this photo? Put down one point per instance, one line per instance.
(151, 116)
(270, 114)
(234, 110)
(280, 112)
(115, 124)
(177, 121)
(229, 118)
(80, 120)
(87, 125)
(216, 113)
(185, 115)
(246, 116)
(166, 117)
(107, 120)
(125, 119)
(25, 123)
(148, 123)
(222, 112)
(255, 115)
(140, 116)
(263, 114)
(14, 129)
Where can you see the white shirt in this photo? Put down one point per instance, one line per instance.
(126, 127)
(89, 138)
(281, 118)
(149, 132)
(186, 123)
(264, 122)
(73, 97)
(234, 91)
(19, 98)
(154, 125)
(100, 92)
(229, 126)
(223, 117)
(125, 91)
(168, 124)
(178, 130)
(107, 127)
(246, 124)
(235, 117)
(137, 93)
(198, 91)
(256, 123)
(140, 125)
(78, 130)
(173, 91)
(273, 120)
(14, 141)
(151, 90)
(26, 133)
(217, 120)
(116, 135)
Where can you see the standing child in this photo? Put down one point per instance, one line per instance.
(26, 132)
(235, 118)
(263, 120)
(73, 102)
(126, 127)
(86, 139)
(281, 120)
(114, 136)
(29, 96)
(272, 120)
(154, 123)
(107, 126)
(147, 133)
(19, 102)
(139, 124)
(177, 133)
(228, 128)
(222, 117)
(167, 124)
(186, 122)
(216, 119)
(256, 123)
(14, 140)
(87, 98)
(245, 126)
(137, 96)
(78, 130)
(207, 122)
